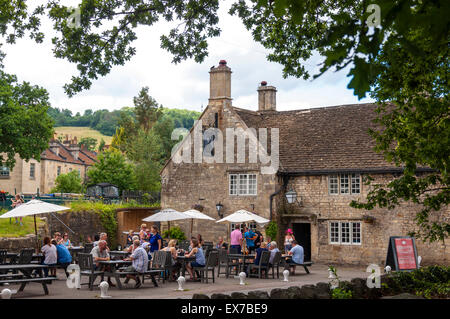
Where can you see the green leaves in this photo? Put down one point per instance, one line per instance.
(68, 183)
(25, 127)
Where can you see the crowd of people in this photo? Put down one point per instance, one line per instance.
(142, 248)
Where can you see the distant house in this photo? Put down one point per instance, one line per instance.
(324, 155)
(33, 176)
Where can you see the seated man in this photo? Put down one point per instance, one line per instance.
(140, 263)
(64, 257)
(297, 255)
(221, 244)
(100, 253)
(273, 250)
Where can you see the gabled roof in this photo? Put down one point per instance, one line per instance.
(323, 139)
(85, 157)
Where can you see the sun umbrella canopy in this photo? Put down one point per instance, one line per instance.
(166, 215)
(33, 207)
(195, 214)
(242, 216)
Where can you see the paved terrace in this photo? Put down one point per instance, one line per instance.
(58, 289)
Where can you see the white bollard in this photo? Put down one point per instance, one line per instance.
(104, 289)
(331, 274)
(286, 275)
(242, 277)
(419, 260)
(387, 269)
(6, 293)
(181, 281)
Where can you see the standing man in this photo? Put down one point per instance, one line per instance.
(250, 237)
(236, 238)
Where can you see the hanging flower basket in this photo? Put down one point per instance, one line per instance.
(368, 219)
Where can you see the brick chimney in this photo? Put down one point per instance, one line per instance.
(220, 82)
(267, 97)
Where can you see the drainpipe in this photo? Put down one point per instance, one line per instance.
(285, 182)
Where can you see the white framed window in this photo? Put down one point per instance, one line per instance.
(345, 233)
(356, 183)
(32, 170)
(345, 184)
(333, 184)
(243, 184)
(4, 171)
(251, 226)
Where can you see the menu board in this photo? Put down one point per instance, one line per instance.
(406, 258)
(402, 253)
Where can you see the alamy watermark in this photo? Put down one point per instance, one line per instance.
(374, 19)
(207, 146)
(74, 19)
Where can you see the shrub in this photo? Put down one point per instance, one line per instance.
(272, 230)
(68, 183)
(340, 293)
(174, 233)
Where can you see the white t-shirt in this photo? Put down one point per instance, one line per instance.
(50, 254)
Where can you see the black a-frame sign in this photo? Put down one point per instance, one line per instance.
(402, 253)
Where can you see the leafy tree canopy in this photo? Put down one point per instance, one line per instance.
(112, 167)
(25, 127)
(89, 142)
(68, 183)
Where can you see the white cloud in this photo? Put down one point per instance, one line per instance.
(185, 85)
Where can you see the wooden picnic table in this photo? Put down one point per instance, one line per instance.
(10, 276)
(114, 271)
(305, 264)
(183, 261)
(13, 257)
(242, 259)
(118, 253)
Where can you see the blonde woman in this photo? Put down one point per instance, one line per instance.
(173, 251)
(143, 233)
(16, 203)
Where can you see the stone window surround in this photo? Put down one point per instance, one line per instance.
(32, 170)
(351, 228)
(5, 172)
(352, 180)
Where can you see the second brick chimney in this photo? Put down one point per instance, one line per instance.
(220, 82)
(267, 97)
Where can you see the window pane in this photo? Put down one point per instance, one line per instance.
(334, 232)
(345, 233)
(345, 184)
(32, 169)
(243, 184)
(333, 184)
(252, 184)
(4, 171)
(233, 184)
(356, 183)
(356, 233)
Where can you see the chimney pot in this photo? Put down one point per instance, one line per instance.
(263, 83)
(223, 62)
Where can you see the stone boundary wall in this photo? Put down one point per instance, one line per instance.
(15, 244)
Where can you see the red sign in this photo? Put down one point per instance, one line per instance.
(405, 253)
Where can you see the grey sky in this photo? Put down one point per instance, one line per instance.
(185, 85)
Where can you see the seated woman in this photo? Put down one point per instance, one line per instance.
(259, 252)
(173, 251)
(130, 238)
(131, 248)
(65, 240)
(196, 251)
(50, 256)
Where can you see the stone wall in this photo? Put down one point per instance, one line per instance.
(319, 208)
(82, 223)
(187, 184)
(15, 244)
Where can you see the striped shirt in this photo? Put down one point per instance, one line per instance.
(140, 259)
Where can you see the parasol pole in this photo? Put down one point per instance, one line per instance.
(168, 225)
(192, 225)
(35, 232)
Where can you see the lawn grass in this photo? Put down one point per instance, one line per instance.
(8, 227)
(81, 132)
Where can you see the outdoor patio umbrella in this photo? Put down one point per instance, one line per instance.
(166, 215)
(34, 207)
(195, 214)
(242, 216)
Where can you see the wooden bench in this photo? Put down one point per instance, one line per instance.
(305, 265)
(152, 274)
(24, 281)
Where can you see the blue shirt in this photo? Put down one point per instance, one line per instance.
(63, 254)
(154, 242)
(297, 254)
(258, 255)
(249, 234)
(200, 257)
